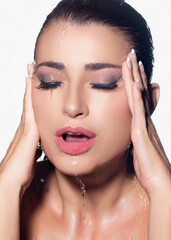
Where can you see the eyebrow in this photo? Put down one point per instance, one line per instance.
(88, 66)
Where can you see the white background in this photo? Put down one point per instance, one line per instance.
(20, 22)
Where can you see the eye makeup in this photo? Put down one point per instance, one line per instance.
(106, 86)
(108, 82)
(50, 79)
(49, 85)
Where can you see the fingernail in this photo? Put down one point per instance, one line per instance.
(134, 55)
(31, 70)
(129, 63)
(141, 66)
(28, 68)
(27, 80)
(138, 83)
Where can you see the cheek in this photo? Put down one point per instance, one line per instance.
(111, 108)
(109, 116)
(45, 110)
(113, 117)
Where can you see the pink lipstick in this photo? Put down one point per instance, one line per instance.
(74, 140)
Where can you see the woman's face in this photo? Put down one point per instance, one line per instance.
(105, 112)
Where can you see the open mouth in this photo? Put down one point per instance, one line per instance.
(75, 137)
(74, 140)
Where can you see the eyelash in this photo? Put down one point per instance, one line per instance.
(50, 85)
(106, 86)
(53, 85)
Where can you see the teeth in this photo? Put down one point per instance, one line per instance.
(70, 133)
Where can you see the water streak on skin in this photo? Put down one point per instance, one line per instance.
(129, 237)
(83, 191)
(60, 38)
(140, 195)
(53, 79)
(75, 162)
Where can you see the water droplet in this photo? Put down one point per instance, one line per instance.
(83, 191)
(52, 78)
(74, 162)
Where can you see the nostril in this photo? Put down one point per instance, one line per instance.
(79, 114)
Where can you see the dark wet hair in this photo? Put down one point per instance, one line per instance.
(111, 13)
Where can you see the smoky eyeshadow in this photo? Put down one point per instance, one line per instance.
(48, 76)
(45, 77)
(52, 75)
(110, 79)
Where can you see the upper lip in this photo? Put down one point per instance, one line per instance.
(82, 130)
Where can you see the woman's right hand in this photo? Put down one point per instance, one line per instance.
(17, 167)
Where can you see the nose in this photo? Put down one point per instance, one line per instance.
(75, 103)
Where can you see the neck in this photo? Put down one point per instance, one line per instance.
(113, 198)
(94, 193)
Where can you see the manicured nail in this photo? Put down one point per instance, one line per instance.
(141, 66)
(134, 55)
(31, 72)
(28, 68)
(27, 80)
(129, 63)
(138, 83)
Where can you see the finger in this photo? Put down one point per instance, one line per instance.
(20, 128)
(141, 142)
(139, 120)
(18, 132)
(27, 95)
(13, 143)
(143, 75)
(30, 70)
(127, 76)
(136, 166)
(29, 117)
(136, 69)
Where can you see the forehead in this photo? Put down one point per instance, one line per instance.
(88, 43)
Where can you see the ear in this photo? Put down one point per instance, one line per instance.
(155, 94)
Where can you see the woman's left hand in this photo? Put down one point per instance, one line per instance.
(151, 165)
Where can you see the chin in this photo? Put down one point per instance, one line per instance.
(80, 165)
(85, 164)
(74, 166)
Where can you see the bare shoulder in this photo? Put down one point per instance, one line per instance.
(32, 199)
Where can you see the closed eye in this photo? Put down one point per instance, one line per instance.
(105, 86)
(53, 85)
(49, 85)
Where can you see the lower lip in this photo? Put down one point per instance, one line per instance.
(74, 148)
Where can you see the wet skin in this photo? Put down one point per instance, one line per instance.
(116, 206)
